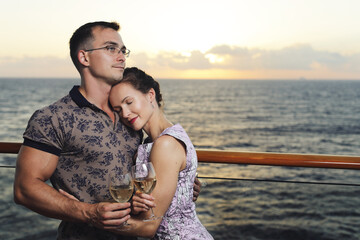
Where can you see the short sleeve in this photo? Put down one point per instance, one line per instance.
(43, 132)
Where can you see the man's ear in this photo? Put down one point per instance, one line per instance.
(83, 58)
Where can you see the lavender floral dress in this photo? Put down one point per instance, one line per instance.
(180, 221)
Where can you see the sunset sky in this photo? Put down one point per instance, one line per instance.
(228, 39)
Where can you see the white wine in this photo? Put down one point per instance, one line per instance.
(145, 185)
(121, 193)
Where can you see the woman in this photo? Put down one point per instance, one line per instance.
(138, 100)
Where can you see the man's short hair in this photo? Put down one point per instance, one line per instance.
(83, 35)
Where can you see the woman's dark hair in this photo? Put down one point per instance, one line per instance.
(84, 34)
(142, 82)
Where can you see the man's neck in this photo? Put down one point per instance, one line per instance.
(97, 93)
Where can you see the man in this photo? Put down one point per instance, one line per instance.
(76, 141)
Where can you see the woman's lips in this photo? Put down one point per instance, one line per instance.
(133, 120)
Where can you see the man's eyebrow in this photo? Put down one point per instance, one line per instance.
(111, 43)
(114, 43)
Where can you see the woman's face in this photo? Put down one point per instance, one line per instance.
(134, 107)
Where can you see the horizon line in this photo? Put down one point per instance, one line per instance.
(221, 79)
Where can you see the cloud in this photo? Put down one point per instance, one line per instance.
(183, 61)
(294, 61)
(296, 57)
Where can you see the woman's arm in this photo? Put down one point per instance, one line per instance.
(168, 156)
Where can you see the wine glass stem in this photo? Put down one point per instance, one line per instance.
(152, 213)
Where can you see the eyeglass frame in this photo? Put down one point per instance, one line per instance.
(124, 51)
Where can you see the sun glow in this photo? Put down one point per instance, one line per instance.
(214, 58)
(186, 54)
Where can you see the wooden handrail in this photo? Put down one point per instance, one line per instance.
(254, 158)
(280, 159)
(9, 147)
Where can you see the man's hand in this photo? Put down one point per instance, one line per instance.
(197, 189)
(105, 215)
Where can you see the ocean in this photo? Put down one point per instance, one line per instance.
(282, 116)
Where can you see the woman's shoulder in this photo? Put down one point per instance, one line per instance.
(169, 144)
(166, 141)
(169, 150)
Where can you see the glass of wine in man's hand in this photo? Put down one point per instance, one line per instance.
(121, 189)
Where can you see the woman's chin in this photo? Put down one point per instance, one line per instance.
(136, 128)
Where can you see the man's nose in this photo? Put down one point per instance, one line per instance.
(121, 57)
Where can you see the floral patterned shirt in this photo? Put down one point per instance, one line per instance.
(180, 220)
(89, 145)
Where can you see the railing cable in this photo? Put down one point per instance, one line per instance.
(7, 166)
(281, 181)
(256, 180)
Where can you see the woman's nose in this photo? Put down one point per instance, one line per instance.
(125, 113)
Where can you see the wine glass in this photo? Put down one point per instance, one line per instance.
(144, 178)
(121, 189)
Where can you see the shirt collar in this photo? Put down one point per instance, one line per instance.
(78, 98)
(82, 102)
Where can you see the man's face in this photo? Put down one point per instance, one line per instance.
(103, 64)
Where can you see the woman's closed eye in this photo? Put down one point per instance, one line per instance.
(117, 109)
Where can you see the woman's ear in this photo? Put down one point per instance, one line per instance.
(152, 95)
(83, 58)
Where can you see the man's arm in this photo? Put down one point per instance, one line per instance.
(197, 189)
(33, 169)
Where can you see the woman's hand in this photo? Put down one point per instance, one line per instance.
(141, 202)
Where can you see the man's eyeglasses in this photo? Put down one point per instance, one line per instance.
(113, 50)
